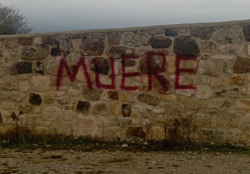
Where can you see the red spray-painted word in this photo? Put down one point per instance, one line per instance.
(179, 70)
(151, 71)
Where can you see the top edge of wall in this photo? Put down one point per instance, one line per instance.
(201, 25)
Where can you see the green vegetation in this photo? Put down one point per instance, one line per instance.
(12, 21)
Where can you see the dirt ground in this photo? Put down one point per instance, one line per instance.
(97, 162)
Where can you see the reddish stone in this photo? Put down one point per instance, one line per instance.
(149, 99)
(11, 43)
(161, 85)
(135, 132)
(113, 38)
(144, 40)
(113, 95)
(242, 65)
(25, 41)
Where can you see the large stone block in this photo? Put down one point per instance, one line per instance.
(17, 96)
(242, 103)
(131, 39)
(11, 43)
(35, 53)
(85, 126)
(155, 133)
(186, 46)
(40, 83)
(203, 33)
(208, 47)
(18, 67)
(237, 80)
(228, 35)
(53, 66)
(160, 42)
(92, 47)
(135, 132)
(149, 99)
(242, 65)
(35, 99)
(93, 95)
(8, 85)
(100, 65)
(100, 108)
(81, 106)
(171, 32)
(113, 38)
(211, 68)
(204, 92)
(52, 113)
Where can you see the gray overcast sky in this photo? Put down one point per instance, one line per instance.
(100, 14)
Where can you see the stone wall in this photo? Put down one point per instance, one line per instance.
(123, 83)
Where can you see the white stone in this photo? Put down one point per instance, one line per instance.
(40, 83)
(52, 113)
(73, 92)
(24, 86)
(85, 126)
(204, 92)
(218, 82)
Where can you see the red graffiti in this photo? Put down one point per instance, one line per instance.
(124, 74)
(72, 75)
(155, 71)
(179, 70)
(151, 71)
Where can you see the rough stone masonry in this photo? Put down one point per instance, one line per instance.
(121, 83)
